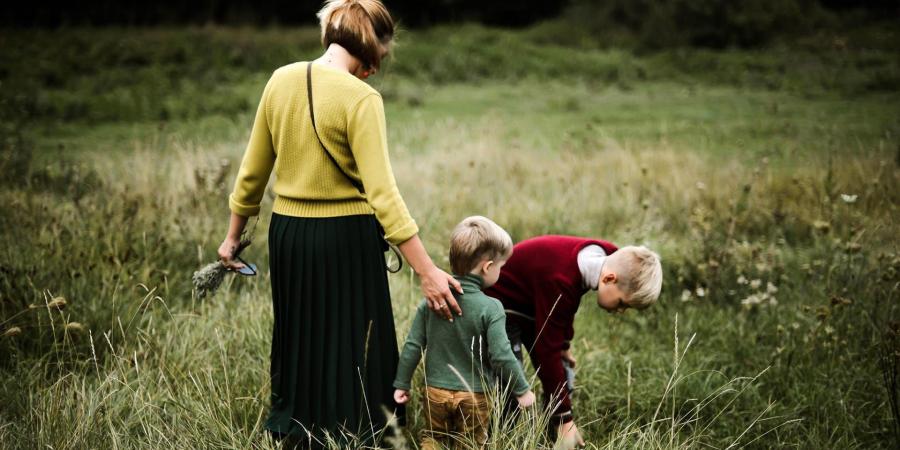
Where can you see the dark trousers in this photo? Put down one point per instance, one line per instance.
(521, 334)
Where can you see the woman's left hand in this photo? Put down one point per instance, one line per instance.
(436, 287)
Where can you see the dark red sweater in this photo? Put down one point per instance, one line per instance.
(542, 280)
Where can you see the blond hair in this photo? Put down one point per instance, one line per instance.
(640, 273)
(477, 238)
(362, 27)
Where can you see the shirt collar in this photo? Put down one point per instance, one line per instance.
(470, 282)
(590, 264)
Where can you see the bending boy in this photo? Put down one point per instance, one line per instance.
(541, 287)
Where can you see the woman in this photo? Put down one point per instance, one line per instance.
(334, 349)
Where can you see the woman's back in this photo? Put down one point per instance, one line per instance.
(350, 122)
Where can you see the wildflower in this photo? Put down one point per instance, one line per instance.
(13, 331)
(847, 198)
(771, 288)
(685, 295)
(752, 300)
(821, 225)
(756, 283)
(701, 292)
(742, 279)
(74, 327)
(58, 303)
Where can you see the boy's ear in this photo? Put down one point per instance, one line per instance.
(609, 278)
(486, 265)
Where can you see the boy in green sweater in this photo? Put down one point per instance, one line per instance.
(463, 357)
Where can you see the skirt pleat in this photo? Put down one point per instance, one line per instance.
(334, 346)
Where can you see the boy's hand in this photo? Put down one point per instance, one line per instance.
(568, 437)
(567, 356)
(401, 396)
(526, 400)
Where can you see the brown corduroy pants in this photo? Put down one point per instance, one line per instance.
(452, 413)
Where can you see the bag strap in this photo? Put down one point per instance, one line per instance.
(312, 117)
(356, 184)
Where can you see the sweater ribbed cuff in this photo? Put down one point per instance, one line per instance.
(402, 234)
(242, 209)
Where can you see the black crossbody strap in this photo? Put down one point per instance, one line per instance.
(356, 184)
(312, 117)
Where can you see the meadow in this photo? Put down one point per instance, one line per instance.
(766, 179)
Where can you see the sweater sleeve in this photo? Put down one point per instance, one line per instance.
(413, 349)
(368, 141)
(553, 318)
(256, 166)
(503, 361)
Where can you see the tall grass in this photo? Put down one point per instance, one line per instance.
(774, 209)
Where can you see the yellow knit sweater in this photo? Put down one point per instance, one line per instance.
(350, 120)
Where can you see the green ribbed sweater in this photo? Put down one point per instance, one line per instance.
(474, 344)
(350, 120)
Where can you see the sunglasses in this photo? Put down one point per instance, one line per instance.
(248, 270)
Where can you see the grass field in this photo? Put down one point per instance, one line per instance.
(766, 179)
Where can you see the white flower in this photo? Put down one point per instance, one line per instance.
(771, 288)
(685, 295)
(849, 198)
(754, 299)
(755, 284)
(742, 280)
(701, 292)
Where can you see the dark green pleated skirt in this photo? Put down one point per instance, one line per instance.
(334, 346)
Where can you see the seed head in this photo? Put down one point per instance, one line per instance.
(13, 331)
(208, 278)
(58, 303)
(74, 327)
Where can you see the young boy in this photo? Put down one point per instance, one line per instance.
(540, 288)
(463, 357)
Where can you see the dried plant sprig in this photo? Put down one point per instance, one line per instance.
(208, 279)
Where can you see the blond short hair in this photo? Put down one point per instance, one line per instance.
(362, 27)
(640, 273)
(477, 238)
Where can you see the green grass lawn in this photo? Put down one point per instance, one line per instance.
(767, 180)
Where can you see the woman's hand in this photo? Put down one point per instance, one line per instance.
(226, 253)
(232, 242)
(435, 282)
(436, 288)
